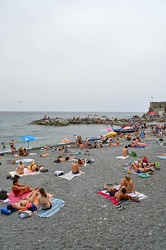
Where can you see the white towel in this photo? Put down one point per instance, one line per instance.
(70, 175)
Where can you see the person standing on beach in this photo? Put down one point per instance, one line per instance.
(13, 149)
(11, 143)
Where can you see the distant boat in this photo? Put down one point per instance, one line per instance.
(95, 115)
(104, 116)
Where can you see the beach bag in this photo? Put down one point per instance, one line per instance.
(3, 195)
(25, 214)
(7, 210)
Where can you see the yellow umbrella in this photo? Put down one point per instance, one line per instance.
(111, 133)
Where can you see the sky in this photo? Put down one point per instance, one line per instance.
(89, 55)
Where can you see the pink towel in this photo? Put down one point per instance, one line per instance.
(14, 199)
(108, 197)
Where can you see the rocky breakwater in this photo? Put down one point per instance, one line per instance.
(52, 122)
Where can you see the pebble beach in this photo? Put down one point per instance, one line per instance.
(88, 220)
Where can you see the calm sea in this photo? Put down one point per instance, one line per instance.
(14, 125)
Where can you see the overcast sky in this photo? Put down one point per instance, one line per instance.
(82, 55)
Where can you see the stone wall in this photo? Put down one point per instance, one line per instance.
(158, 107)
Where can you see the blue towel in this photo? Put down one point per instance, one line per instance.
(56, 206)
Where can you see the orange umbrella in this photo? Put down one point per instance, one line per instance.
(65, 140)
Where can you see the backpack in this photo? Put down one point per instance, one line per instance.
(3, 195)
(7, 210)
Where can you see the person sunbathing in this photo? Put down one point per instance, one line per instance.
(125, 151)
(76, 166)
(120, 194)
(27, 202)
(21, 151)
(25, 152)
(142, 167)
(20, 168)
(20, 189)
(43, 200)
(34, 167)
(63, 159)
(128, 184)
(117, 142)
(111, 143)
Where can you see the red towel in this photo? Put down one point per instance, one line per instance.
(108, 197)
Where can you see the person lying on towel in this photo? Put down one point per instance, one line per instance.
(120, 194)
(34, 167)
(142, 167)
(25, 203)
(63, 159)
(20, 189)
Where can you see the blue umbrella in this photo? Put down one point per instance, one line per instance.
(28, 138)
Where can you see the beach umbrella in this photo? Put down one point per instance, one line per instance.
(93, 138)
(65, 140)
(111, 133)
(127, 128)
(28, 138)
(109, 129)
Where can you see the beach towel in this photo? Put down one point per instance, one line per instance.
(24, 160)
(26, 172)
(70, 175)
(56, 206)
(105, 194)
(122, 157)
(163, 157)
(14, 198)
(58, 172)
(44, 155)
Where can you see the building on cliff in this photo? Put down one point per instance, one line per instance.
(158, 107)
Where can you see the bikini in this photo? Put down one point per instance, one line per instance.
(47, 207)
(77, 172)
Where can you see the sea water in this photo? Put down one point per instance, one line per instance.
(14, 125)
